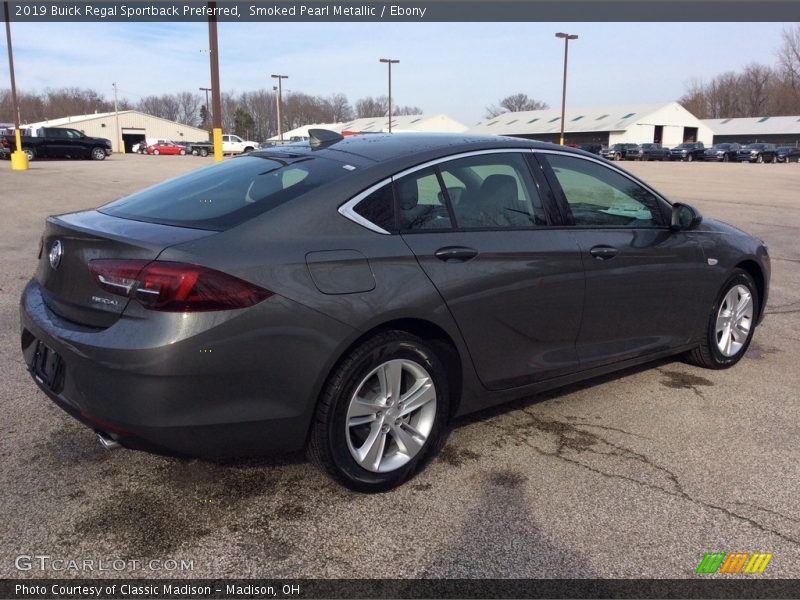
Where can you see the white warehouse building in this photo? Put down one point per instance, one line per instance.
(667, 124)
(134, 127)
(400, 124)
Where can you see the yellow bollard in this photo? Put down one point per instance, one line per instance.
(217, 144)
(19, 160)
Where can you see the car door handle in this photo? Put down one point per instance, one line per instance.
(456, 253)
(603, 252)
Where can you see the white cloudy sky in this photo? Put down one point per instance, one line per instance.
(452, 68)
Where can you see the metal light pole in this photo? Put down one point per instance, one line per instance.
(215, 89)
(120, 141)
(278, 102)
(19, 160)
(567, 37)
(390, 62)
(208, 109)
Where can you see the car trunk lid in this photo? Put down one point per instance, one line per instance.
(71, 241)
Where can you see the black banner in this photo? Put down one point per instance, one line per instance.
(72, 589)
(405, 11)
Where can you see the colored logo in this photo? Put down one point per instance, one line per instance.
(735, 562)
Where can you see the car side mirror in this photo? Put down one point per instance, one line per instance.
(685, 216)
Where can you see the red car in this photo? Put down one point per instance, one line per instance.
(166, 148)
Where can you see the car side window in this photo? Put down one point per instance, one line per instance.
(421, 203)
(491, 191)
(378, 208)
(599, 196)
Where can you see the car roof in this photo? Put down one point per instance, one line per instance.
(367, 149)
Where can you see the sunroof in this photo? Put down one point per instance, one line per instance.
(578, 118)
(628, 116)
(553, 120)
(762, 119)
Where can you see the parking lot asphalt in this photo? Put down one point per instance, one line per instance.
(636, 474)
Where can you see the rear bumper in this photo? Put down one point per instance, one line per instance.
(239, 384)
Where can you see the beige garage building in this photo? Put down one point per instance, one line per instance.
(134, 127)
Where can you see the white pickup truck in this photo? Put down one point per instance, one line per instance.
(233, 144)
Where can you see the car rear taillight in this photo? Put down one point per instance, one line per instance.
(175, 287)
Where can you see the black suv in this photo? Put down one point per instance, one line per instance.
(617, 151)
(722, 152)
(688, 151)
(758, 153)
(789, 154)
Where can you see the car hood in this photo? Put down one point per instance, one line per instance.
(721, 227)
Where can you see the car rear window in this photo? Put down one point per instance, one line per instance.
(224, 195)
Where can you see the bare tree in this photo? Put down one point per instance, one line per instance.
(515, 103)
(340, 108)
(406, 110)
(188, 107)
(695, 100)
(261, 105)
(372, 107)
(755, 84)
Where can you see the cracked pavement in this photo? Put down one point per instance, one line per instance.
(635, 474)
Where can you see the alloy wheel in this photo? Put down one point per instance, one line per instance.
(390, 415)
(734, 320)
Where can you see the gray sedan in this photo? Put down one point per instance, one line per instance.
(351, 296)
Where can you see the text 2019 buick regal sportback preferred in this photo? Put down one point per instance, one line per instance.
(353, 295)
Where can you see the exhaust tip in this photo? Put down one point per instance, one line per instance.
(108, 442)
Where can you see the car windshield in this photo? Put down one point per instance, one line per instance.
(722, 147)
(224, 195)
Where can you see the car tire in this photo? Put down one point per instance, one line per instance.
(98, 154)
(689, 157)
(29, 152)
(759, 159)
(731, 324)
(725, 158)
(183, 153)
(360, 434)
(774, 159)
(203, 152)
(156, 152)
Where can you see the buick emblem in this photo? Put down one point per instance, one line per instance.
(56, 250)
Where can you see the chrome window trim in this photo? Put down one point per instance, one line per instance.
(348, 208)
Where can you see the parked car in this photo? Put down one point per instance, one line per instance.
(633, 152)
(758, 153)
(724, 152)
(58, 142)
(593, 148)
(688, 151)
(338, 295)
(617, 151)
(233, 144)
(652, 151)
(166, 148)
(787, 154)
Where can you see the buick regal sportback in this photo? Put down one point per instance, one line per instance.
(351, 296)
